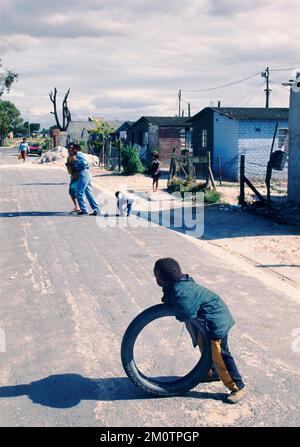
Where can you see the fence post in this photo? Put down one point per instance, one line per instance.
(210, 173)
(220, 169)
(119, 155)
(242, 181)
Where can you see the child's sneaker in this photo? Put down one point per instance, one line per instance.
(235, 396)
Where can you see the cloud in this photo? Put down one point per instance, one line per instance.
(129, 58)
(234, 7)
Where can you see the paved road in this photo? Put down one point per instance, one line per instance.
(68, 291)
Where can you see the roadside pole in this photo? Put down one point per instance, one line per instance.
(294, 143)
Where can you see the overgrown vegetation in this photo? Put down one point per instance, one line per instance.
(83, 146)
(10, 119)
(131, 161)
(191, 185)
(212, 196)
(46, 144)
(99, 136)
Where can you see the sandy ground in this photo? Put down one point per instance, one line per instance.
(65, 370)
(268, 246)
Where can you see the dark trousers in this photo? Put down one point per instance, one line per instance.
(223, 363)
(225, 366)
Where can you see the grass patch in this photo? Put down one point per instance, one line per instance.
(191, 185)
(212, 196)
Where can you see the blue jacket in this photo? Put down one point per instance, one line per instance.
(81, 164)
(191, 300)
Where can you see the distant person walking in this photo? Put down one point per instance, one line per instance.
(24, 149)
(84, 187)
(71, 160)
(155, 172)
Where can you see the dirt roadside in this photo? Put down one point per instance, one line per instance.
(269, 247)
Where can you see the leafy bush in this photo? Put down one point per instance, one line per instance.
(83, 146)
(212, 196)
(46, 144)
(131, 161)
(188, 185)
(191, 185)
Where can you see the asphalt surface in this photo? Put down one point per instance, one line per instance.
(69, 288)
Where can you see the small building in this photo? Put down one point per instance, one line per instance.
(160, 133)
(78, 131)
(230, 132)
(121, 132)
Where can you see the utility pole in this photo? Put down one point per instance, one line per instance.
(266, 74)
(294, 140)
(179, 103)
(189, 109)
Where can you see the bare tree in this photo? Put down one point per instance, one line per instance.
(66, 114)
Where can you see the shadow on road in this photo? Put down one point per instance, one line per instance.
(267, 266)
(68, 390)
(44, 184)
(215, 224)
(34, 214)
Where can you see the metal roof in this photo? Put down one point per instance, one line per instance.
(250, 113)
(125, 126)
(166, 121)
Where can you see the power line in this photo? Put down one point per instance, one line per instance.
(225, 85)
(250, 98)
(281, 86)
(282, 69)
(245, 96)
(276, 94)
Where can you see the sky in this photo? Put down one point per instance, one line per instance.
(123, 59)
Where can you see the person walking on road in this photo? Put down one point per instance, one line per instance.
(73, 183)
(24, 149)
(84, 187)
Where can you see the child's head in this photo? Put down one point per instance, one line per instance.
(73, 148)
(117, 193)
(156, 156)
(167, 271)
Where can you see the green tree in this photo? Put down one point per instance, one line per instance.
(11, 118)
(24, 129)
(99, 138)
(7, 78)
(4, 126)
(35, 127)
(131, 161)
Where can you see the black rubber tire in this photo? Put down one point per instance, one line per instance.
(162, 389)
